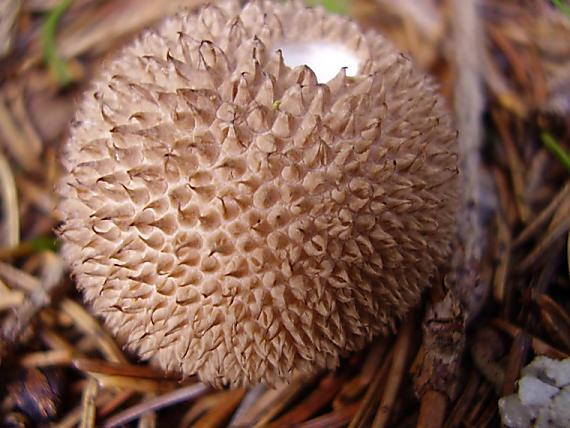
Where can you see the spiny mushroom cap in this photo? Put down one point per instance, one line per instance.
(232, 217)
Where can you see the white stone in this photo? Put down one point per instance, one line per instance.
(543, 397)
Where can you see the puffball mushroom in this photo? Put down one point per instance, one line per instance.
(232, 214)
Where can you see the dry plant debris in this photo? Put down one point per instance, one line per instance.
(56, 354)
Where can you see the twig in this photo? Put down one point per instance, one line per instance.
(502, 254)
(317, 399)
(432, 410)
(146, 386)
(11, 230)
(97, 29)
(46, 358)
(356, 387)
(486, 351)
(556, 230)
(13, 325)
(533, 227)
(217, 416)
(88, 325)
(180, 395)
(336, 419)
(240, 417)
(463, 404)
(121, 369)
(437, 373)
(469, 105)
(9, 10)
(88, 408)
(515, 362)
(14, 138)
(516, 166)
(425, 15)
(264, 405)
(539, 347)
(148, 420)
(281, 401)
(396, 374)
(73, 416)
(203, 405)
(109, 406)
(554, 318)
(361, 419)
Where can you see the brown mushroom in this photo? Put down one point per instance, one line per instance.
(233, 215)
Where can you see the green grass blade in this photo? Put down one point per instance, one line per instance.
(562, 6)
(51, 57)
(550, 142)
(339, 7)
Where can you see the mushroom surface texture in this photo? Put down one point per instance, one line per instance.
(230, 216)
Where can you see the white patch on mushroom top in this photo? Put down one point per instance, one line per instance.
(324, 58)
